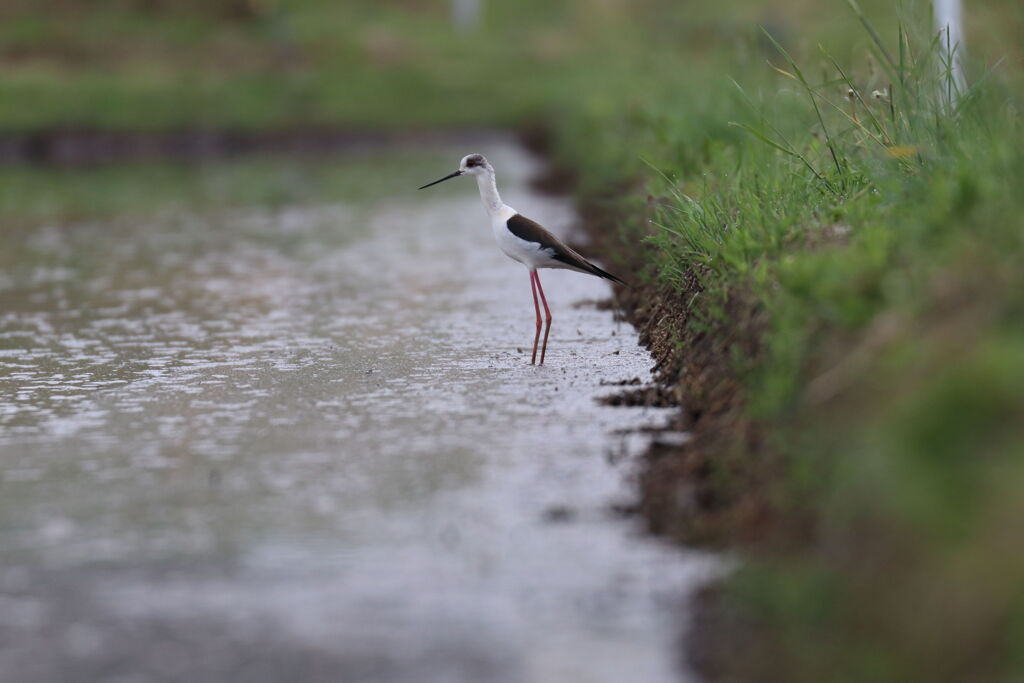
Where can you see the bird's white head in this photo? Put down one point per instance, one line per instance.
(475, 164)
(471, 164)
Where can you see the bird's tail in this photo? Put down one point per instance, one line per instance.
(594, 270)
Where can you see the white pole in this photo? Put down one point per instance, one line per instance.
(949, 24)
(466, 14)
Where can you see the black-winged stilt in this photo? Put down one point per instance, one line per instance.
(523, 240)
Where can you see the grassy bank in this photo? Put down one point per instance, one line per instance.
(832, 283)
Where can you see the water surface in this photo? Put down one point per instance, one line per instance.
(298, 438)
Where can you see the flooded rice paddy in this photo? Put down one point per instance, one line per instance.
(283, 427)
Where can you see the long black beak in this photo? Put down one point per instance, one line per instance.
(447, 177)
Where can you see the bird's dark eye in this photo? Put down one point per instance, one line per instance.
(471, 162)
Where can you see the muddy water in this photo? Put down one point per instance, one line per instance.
(304, 443)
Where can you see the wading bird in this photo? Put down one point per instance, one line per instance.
(523, 240)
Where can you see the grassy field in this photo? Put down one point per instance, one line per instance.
(832, 245)
(256, 64)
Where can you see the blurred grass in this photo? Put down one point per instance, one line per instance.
(237, 64)
(255, 64)
(879, 240)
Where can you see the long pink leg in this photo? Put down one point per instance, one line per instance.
(547, 314)
(534, 283)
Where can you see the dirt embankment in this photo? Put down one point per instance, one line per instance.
(704, 490)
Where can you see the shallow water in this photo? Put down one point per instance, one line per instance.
(303, 442)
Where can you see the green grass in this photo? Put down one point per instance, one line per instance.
(881, 247)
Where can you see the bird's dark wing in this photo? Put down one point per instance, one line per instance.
(530, 231)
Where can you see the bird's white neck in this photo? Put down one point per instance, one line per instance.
(489, 194)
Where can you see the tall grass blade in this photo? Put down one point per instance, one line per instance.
(856, 93)
(871, 31)
(789, 152)
(812, 95)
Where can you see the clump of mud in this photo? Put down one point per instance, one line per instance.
(699, 490)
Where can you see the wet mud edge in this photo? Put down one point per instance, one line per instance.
(709, 489)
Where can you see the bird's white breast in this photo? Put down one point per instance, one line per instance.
(528, 253)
